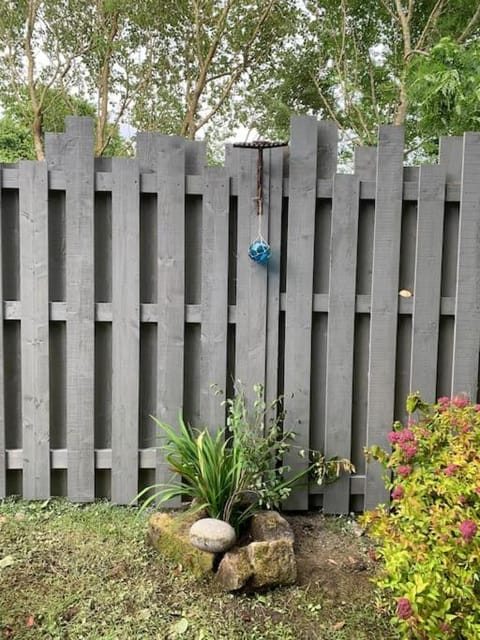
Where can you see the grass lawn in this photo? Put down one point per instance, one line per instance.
(86, 572)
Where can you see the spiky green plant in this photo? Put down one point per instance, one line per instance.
(239, 469)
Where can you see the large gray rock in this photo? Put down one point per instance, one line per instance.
(212, 535)
(270, 525)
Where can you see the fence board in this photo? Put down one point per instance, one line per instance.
(80, 338)
(451, 151)
(33, 205)
(428, 271)
(273, 190)
(366, 162)
(467, 312)
(341, 320)
(251, 280)
(171, 286)
(213, 339)
(383, 325)
(125, 328)
(299, 295)
(3, 455)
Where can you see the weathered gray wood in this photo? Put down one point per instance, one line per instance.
(428, 272)
(170, 167)
(80, 338)
(195, 157)
(251, 280)
(467, 309)
(341, 326)
(33, 195)
(3, 461)
(298, 313)
(451, 151)
(213, 341)
(327, 148)
(366, 162)
(125, 328)
(383, 325)
(273, 184)
(231, 157)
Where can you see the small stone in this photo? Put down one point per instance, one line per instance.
(234, 570)
(273, 563)
(270, 525)
(212, 535)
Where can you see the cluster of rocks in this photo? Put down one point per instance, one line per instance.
(263, 558)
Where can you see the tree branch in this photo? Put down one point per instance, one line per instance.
(464, 35)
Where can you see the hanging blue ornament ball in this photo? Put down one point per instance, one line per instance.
(259, 251)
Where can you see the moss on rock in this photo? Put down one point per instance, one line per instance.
(169, 534)
(273, 563)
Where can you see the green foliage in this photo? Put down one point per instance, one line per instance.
(353, 62)
(428, 541)
(445, 90)
(15, 141)
(239, 469)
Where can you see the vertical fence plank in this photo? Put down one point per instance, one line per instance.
(125, 328)
(467, 313)
(33, 205)
(366, 162)
(80, 338)
(383, 327)
(170, 166)
(273, 190)
(341, 327)
(213, 340)
(3, 453)
(428, 272)
(251, 280)
(299, 294)
(451, 151)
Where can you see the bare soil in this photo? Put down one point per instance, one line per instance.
(331, 557)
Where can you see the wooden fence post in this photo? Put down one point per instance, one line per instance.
(384, 304)
(79, 204)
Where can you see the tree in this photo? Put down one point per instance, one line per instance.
(201, 74)
(179, 70)
(357, 62)
(88, 56)
(16, 135)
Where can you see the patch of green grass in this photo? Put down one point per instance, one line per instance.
(86, 572)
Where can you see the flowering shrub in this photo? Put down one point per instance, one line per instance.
(429, 542)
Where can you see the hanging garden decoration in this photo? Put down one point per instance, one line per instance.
(259, 250)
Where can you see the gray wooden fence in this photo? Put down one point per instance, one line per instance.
(127, 291)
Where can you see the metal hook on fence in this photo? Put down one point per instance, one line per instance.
(259, 250)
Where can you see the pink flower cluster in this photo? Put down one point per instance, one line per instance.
(398, 492)
(468, 529)
(404, 609)
(405, 438)
(404, 470)
(459, 401)
(450, 470)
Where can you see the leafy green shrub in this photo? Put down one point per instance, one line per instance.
(240, 468)
(429, 541)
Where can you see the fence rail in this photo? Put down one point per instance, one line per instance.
(127, 292)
